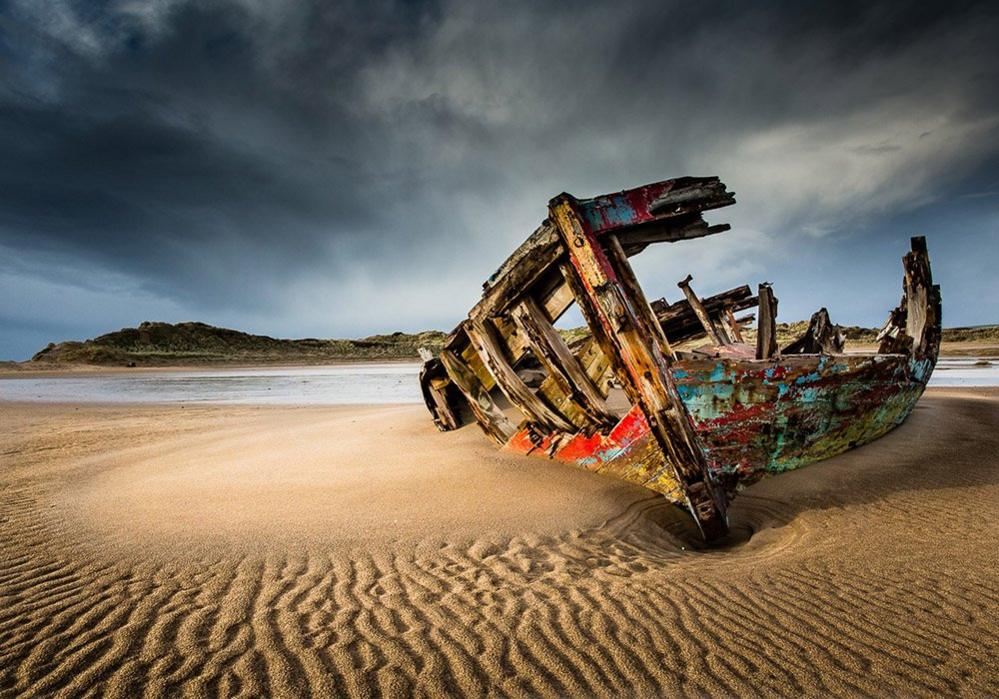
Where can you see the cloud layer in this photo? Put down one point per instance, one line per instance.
(301, 169)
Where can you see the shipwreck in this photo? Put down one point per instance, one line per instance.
(669, 396)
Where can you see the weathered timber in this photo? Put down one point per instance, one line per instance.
(914, 325)
(551, 350)
(668, 232)
(487, 342)
(713, 332)
(437, 389)
(766, 331)
(534, 265)
(731, 324)
(529, 366)
(592, 356)
(528, 262)
(922, 296)
(739, 298)
(630, 335)
(821, 336)
(660, 201)
(892, 338)
(681, 324)
(490, 418)
(688, 191)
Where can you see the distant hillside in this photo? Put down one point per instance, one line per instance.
(788, 332)
(153, 344)
(166, 344)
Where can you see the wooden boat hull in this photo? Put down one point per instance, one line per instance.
(756, 418)
(705, 420)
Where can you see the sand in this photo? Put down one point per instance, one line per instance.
(327, 551)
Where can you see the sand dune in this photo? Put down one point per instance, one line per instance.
(247, 551)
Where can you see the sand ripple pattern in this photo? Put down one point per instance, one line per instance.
(868, 579)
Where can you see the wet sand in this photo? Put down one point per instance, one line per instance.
(172, 550)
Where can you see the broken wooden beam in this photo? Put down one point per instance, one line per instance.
(436, 388)
(487, 414)
(681, 324)
(820, 337)
(766, 332)
(701, 313)
(914, 326)
(527, 263)
(688, 192)
(731, 324)
(550, 349)
(656, 202)
(489, 345)
(630, 335)
(739, 298)
(668, 232)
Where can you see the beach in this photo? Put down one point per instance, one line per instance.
(281, 550)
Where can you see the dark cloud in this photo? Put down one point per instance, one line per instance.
(344, 168)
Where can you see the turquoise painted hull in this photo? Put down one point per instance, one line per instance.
(762, 417)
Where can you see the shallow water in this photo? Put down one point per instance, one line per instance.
(966, 371)
(352, 384)
(355, 384)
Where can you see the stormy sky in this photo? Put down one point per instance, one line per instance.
(337, 169)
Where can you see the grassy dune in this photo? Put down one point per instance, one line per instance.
(163, 344)
(166, 344)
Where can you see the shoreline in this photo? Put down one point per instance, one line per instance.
(57, 370)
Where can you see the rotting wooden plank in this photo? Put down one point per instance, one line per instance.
(690, 191)
(490, 418)
(669, 233)
(592, 358)
(701, 313)
(435, 383)
(766, 332)
(487, 342)
(659, 201)
(557, 397)
(520, 270)
(680, 323)
(922, 296)
(564, 368)
(892, 338)
(634, 294)
(595, 364)
(728, 318)
(592, 355)
(913, 327)
(739, 298)
(549, 391)
(629, 334)
(820, 337)
(555, 301)
(917, 286)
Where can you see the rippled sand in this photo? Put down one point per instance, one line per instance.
(247, 551)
